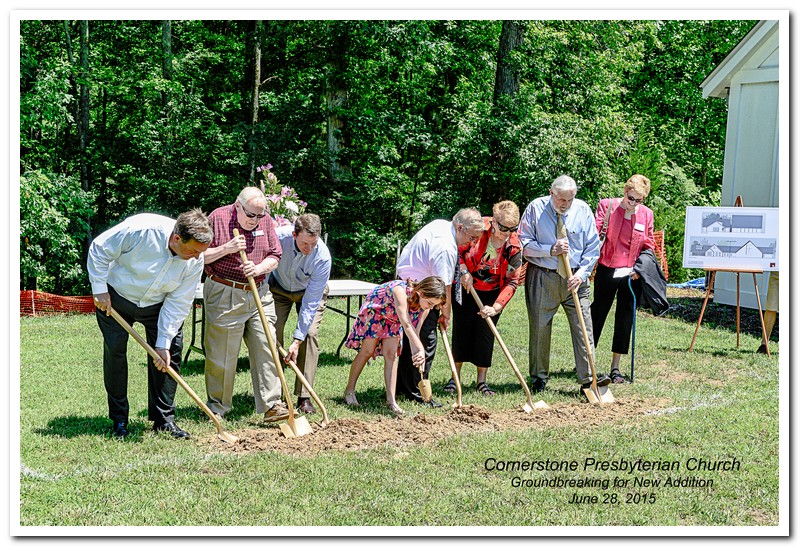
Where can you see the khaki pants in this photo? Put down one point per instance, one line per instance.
(232, 316)
(545, 292)
(308, 353)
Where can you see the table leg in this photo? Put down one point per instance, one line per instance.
(346, 328)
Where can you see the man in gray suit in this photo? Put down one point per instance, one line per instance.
(551, 226)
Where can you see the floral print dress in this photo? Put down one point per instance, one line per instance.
(378, 318)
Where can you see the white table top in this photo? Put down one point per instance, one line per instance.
(336, 287)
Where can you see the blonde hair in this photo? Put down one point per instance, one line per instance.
(639, 184)
(506, 213)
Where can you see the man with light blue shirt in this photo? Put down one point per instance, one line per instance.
(147, 268)
(552, 226)
(301, 281)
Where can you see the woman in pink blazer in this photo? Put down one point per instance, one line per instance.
(626, 227)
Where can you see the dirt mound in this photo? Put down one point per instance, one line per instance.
(420, 429)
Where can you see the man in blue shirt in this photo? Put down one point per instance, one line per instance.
(301, 280)
(552, 226)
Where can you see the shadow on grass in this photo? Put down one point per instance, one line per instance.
(77, 426)
(719, 316)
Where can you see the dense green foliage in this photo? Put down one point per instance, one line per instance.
(380, 126)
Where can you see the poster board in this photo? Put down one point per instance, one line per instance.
(731, 237)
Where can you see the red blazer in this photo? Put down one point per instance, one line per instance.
(641, 238)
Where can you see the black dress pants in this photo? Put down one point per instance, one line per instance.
(160, 385)
(606, 287)
(408, 375)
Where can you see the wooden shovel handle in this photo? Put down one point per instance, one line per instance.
(270, 340)
(579, 311)
(170, 370)
(307, 385)
(507, 353)
(452, 362)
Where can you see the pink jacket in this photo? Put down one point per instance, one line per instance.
(641, 239)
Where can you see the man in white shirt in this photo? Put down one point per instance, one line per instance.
(147, 268)
(433, 251)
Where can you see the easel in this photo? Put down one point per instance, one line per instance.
(738, 272)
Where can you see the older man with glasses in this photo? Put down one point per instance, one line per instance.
(433, 251)
(230, 309)
(551, 226)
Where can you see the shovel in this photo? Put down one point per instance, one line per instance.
(529, 404)
(453, 369)
(302, 378)
(227, 437)
(595, 394)
(294, 428)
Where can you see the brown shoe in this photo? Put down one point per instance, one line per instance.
(279, 411)
(304, 405)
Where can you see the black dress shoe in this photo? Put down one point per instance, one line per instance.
(538, 385)
(173, 429)
(305, 406)
(762, 349)
(120, 430)
(603, 380)
(433, 404)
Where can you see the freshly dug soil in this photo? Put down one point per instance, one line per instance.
(354, 434)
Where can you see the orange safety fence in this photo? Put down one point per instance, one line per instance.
(661, 253)
(35, 303)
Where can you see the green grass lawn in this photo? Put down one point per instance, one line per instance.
(718, 403)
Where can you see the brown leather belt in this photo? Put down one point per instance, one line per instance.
(234, 284)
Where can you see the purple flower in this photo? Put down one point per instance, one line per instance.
(280, 220)
(303, 203)
(286, 191)
(268, 166)
(274, 198)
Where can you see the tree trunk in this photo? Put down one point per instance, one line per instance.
(83, 126)
(506, 77)
(68, 144)
(166, 57)
(335, 100)
(506, 85)
(258, 33)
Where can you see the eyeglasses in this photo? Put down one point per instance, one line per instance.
(635, 200)
(472, 238)
(506, 228)
(248, 214)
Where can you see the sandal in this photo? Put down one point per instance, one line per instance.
(394, 409)
(350, 398)
(450, 387)
(616, 377)
(484, 389)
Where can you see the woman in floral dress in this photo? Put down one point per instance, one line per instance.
(388, 311)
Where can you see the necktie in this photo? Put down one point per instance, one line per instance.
(457, 288)
(561, 233)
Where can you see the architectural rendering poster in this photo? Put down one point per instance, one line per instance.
(731, 237)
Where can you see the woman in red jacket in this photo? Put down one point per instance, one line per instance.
(493, 265)
(626, 227)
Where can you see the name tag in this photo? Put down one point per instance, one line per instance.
(639, 227)
(261, 232)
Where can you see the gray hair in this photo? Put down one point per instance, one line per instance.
(308, 223)
(249, 193)
(194, 225)
(564, 183)
(470, 218)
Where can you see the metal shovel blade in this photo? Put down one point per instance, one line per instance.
(601, 397)
(527, 407)
(227, 437)
(425, 390)
(301, 427)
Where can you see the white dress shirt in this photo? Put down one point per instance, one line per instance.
(431, 252)
(134, 258)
